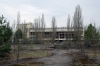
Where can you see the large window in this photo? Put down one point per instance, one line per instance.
(32, 33)
(69, 35)
(61, 35)
(47, 34)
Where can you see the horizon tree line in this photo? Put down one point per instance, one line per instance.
(75, 23)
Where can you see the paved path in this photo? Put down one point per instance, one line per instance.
(58, 59)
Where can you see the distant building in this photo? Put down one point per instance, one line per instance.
(61, 33)
(25, 28)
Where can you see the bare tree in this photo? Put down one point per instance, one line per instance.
(43, 28)
(94, 47)
(71, 41)
(14, 38)
(39, 30)
(68, 27)
(68, 31)
(95, 40)
(78, 25)
(17, 52)
(18, 19)
(53, 27)
(39, 27)
(24, 32)
(36, 30)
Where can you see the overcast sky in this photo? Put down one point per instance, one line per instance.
(30, 9)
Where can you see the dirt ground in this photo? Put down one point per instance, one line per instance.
(59, 58)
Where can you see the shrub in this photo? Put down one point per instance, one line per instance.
(5, 50)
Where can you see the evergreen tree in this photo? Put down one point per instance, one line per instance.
(91, 35)
(5, 35)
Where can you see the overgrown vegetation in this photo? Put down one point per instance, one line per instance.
(91, 36)
(5, 35)
(31, 54)
(91, 39)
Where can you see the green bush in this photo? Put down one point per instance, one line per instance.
(5, 50)
(5, 35)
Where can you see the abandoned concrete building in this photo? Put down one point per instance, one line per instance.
(62, 33)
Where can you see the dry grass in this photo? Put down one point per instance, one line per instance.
(31, 54)
(80, 59)
(91, 54)
(28, 55)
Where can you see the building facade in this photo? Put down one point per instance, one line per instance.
(62, 34)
